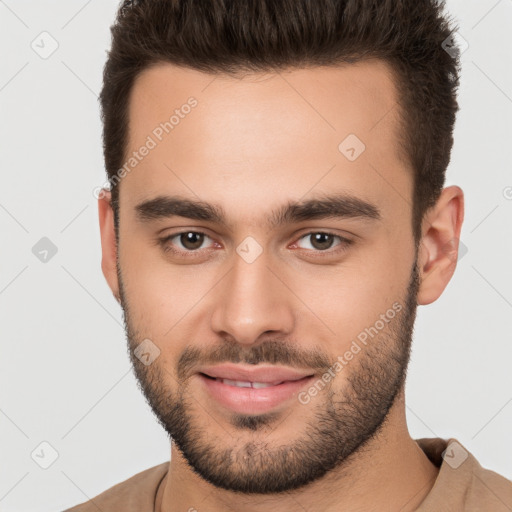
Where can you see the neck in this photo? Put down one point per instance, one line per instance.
(390, 472)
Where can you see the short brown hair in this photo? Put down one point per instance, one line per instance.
(243, 36)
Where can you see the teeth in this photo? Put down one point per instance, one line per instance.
(246, 384)
(259, 385)
(237, 383)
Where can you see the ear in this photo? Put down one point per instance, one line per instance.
(108, 242)
(439, 246)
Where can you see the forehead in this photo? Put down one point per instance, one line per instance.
(261, 136)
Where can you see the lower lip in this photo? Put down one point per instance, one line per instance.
(251, 400)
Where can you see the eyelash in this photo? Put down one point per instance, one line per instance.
(342, 246)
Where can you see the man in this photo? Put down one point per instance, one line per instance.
(276, 214)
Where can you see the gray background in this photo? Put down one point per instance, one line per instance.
(65, 375)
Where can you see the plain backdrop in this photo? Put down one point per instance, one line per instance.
(65, 376)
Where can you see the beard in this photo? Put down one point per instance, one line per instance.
(340, 424)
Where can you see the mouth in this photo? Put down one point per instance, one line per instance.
(248, 384)
(253, 396)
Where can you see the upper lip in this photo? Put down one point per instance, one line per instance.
(266, 374)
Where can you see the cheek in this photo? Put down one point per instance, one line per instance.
(160, 294)
(352, 296)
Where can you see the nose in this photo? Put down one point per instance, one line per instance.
(252, 301)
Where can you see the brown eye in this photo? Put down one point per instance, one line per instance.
(185, 243)
(191, 240)
(320, 241)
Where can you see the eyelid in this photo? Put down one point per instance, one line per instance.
(323, 232)
(344, 241)
(167, 246)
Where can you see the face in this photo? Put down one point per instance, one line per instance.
(253, 234)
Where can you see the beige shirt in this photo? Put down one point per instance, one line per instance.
(461, 485)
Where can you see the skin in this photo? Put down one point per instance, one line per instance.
(251, 145)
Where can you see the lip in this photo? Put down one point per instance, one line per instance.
(268, 374)
(253, 400)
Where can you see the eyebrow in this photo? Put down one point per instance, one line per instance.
(328, 206)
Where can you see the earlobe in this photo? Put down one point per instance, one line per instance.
(438, 251)
(108, 242)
